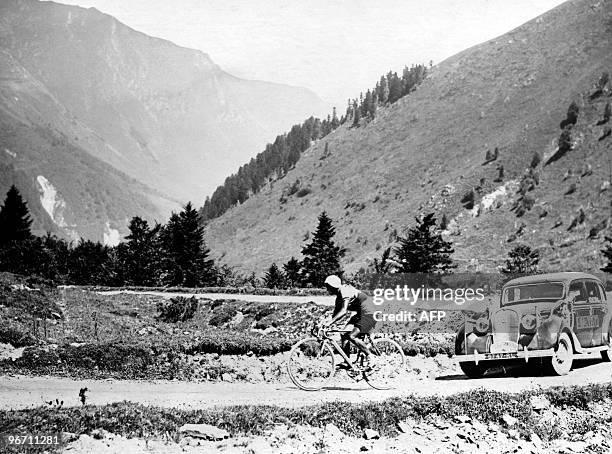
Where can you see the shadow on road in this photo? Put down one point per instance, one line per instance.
(532, 369)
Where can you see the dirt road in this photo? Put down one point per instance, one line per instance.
(317, 299)
(23, 392)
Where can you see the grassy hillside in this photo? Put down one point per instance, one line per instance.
(425, 152)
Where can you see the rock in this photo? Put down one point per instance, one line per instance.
(205, 431)
(98, 434)
(509, 421)
(463, 418)
(539, 403)
(332, 431)
(513, 433)
(69, 437)
(227, 377)
(536, 440)
(404, 427)
(370, 434)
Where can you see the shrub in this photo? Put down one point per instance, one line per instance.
(222, 315)
(16, 337)
(178, 309)
(303, 192)
(227, 343)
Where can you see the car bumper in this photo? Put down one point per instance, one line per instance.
(501, 356)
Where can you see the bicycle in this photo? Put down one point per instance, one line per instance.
(312, 362)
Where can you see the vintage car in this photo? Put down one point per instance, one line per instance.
(545, 318)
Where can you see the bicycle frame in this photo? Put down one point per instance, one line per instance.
(338, 349)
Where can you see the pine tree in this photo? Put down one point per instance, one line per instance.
(521, 260)
(356, 114)
(15, 220)
(274, 277)
(423, 250)
(293, 270)
(141, 253)
(186, 262)
(90, 264)
(383, 95)
(321, 255)
(607, 252)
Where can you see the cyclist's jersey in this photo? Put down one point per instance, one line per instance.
(356, 301)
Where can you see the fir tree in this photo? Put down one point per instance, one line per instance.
(15, 220)
(91, 264)
(521, 260)
(423, 250)
(321, 255)
(186, 261)
(274, 277)
(607, 252)
(293, 270)
(141, 253)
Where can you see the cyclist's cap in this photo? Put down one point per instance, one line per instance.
(333, 281)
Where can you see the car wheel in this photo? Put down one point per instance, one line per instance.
(563, 357)
(469, 368)
(472, 370)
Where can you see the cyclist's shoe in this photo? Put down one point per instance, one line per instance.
(344, 366)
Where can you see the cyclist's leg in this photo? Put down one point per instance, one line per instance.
(345, 337)
(353, 337)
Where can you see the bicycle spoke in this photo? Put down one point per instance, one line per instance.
(311, 364)
(386, 365)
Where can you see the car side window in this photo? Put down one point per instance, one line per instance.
(593, 290)
(578, 291)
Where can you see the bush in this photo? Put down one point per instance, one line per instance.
(303, 192)
(179, 309)
(223, 314)
(227, 343)
(16, 337)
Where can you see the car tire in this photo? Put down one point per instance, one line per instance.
(563, 358)
(469, 368)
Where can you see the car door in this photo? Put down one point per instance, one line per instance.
(598, 310)
(582, 313)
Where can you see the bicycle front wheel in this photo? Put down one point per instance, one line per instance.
(311, 364)
(387, 363)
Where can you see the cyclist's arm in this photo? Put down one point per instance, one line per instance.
(342, 312)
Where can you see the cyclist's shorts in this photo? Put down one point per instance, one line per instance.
(365, 323)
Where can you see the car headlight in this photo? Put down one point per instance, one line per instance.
(528, 322)
(482, 325)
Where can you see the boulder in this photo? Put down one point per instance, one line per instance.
(205, 431)
(509, 421)
(370, 434)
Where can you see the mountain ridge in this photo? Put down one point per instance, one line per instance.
(425, 153)
(164, 115)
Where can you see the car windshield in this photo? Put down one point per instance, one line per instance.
(543, 290)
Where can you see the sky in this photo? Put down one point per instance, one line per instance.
(337, 48)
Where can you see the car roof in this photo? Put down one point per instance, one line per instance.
(551, 277)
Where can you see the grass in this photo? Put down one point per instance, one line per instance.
(135, 420)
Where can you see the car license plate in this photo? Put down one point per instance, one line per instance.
(504, 347)
(501, 355)
(587, 321)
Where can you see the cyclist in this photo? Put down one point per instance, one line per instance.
(349, 299)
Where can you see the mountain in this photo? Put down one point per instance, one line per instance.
(425, 153)
(150, 123)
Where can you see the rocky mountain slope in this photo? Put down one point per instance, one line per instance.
(427, 151)
(150, 123)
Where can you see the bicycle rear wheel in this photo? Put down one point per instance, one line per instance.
(387, 363)
(311, 364)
